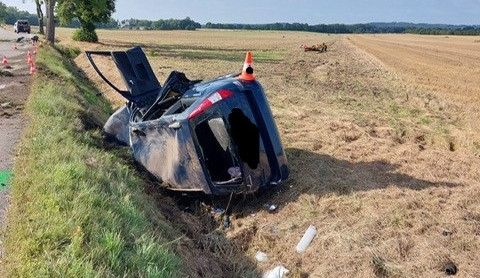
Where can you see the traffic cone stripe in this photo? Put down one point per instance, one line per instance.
(32, 69)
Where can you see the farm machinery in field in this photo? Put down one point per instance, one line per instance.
(316, 47)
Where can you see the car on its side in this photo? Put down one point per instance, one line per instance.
(21, 26)
(216, 137)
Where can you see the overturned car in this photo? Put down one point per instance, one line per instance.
(215, 137)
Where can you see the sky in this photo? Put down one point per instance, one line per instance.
(303, 11)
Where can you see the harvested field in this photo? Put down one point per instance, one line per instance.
(383, 151)
(448, 65)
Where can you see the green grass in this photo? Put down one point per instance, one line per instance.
(78, 210)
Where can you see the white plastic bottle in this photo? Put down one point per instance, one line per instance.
(306, 239)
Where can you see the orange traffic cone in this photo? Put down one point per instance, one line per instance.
(33, 70)
(30, 61)
(29, 54)
(5, 61)
(247, 72)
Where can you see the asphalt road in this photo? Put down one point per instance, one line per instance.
(14, 82)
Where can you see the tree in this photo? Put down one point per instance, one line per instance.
(3, 12)
(50, 7)
(38, 4)
(88, 12)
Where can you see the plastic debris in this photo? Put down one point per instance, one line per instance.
(447, 233)
(5, 105)
(272, 208)
(277, 272)
(261, 257)
(306, 239)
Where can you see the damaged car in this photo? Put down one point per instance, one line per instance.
(215, 137)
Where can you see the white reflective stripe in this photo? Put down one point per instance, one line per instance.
(215, 97)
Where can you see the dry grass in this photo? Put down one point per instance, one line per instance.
(449, 65)
(381, 163)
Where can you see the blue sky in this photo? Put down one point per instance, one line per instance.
(304, 11)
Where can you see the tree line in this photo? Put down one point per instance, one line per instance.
(167, 24)
(8, 15)
(88, 15)
(373, 28)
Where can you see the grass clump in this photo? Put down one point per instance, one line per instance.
(78, 210)
(70, 51)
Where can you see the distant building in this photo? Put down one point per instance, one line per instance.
(125, 24)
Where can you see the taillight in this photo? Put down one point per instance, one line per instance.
(209, 101)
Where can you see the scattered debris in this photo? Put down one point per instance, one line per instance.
(277, 272)
(450, 269)
(272, 208)
(306, 239)
(5, 105)
(261, 257)
(316, 47)
(447, 233)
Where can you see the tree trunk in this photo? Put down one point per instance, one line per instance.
(40, 16)
(50, 6)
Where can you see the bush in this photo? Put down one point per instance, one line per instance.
(85, 35)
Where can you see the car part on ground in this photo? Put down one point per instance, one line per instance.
(216, 136)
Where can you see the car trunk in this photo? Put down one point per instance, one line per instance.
(232, 147)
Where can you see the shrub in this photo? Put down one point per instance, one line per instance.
(85, 35)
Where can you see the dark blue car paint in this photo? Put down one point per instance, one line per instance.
(169, 147)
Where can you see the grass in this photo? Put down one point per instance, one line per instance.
(78, 210)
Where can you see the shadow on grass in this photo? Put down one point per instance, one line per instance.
(319, 174)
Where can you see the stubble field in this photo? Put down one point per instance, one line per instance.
(382, 137)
